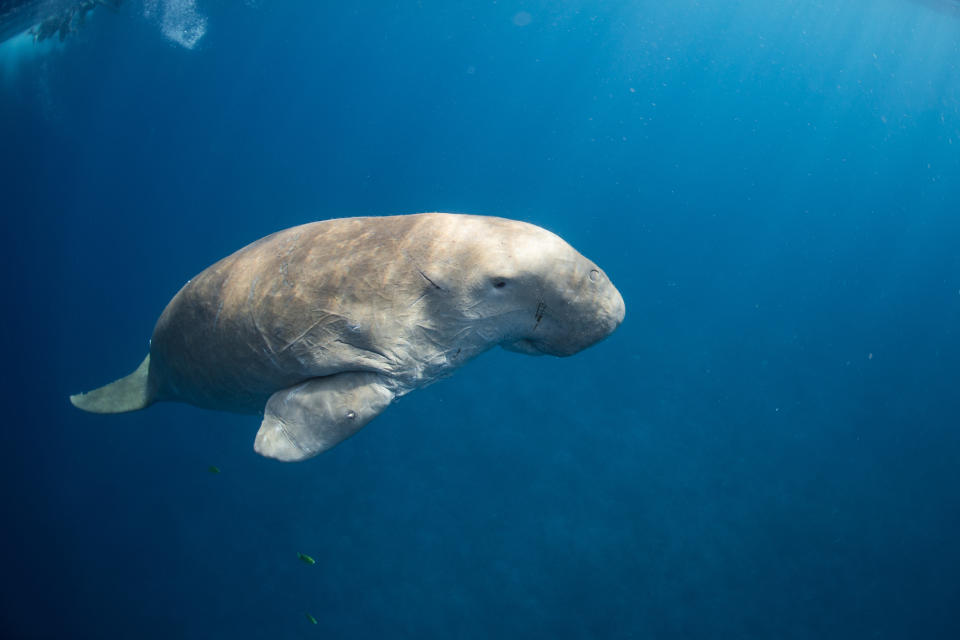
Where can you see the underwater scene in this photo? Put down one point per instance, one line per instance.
(489, 319)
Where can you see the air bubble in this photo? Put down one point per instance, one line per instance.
(594, 275)
(351, 415)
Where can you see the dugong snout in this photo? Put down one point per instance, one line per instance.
(603, 317)
(615, 310)
(585, 311)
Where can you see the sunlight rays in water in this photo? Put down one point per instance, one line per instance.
(19, 51)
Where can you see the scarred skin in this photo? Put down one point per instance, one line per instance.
(409, 297)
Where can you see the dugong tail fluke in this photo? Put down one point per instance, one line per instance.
(129, 393)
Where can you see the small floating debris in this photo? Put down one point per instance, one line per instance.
(213, 469)
(311, 619)
(305, 559)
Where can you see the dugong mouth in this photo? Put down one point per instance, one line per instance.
(523, 346)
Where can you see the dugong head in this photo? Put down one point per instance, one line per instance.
(526, 289)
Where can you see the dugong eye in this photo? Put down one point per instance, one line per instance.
(499, 283)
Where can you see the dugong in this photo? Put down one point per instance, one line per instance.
(320, 327)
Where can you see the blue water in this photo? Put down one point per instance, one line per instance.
(767, 447)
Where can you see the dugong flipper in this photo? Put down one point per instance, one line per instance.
(315, 415)
(319, 327)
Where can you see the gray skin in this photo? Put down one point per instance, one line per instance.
(321, 326)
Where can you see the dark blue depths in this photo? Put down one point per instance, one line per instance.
(767, 447)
